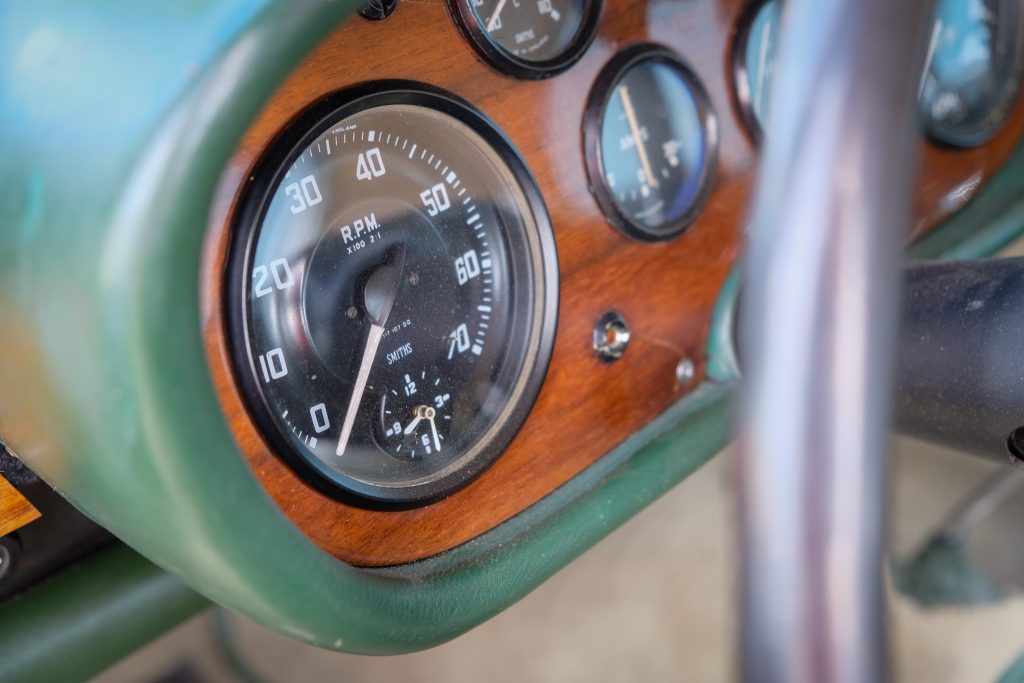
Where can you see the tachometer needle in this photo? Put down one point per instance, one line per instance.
(627, 104)
(379, 297)
(497, 14)
(372, 342)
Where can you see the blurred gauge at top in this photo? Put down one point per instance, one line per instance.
(754, 62)
(528, 38)
(973, 69)
(651, 142)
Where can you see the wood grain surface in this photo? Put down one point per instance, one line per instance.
(15, 510)
(666, 291)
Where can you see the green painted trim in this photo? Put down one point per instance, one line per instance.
(87, 618)
(723, 358)
(942, 575)
(1014, 673)
(988, 223)
(535, 544)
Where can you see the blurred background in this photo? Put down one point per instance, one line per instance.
(652, 602)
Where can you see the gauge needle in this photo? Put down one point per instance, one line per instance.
(627, 104)
(762, 65)
(494, 17)
(932, 44)
(378, 297)
(412, 425)
(424, 413)
(433, 429)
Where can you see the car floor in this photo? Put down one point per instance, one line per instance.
(652, 602)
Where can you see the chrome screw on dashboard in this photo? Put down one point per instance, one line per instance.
(611, 336)
(685, 371)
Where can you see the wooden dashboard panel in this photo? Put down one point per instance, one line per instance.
(666, 291)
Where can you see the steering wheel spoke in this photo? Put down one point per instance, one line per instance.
(820, 312)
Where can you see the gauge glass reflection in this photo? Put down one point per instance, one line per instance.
(756, 70)
(973, 69)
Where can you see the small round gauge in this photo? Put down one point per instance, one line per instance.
(973, 69)
(754, 62)
(528, 38)
(415, 416)
(651, 142)
(393, 289)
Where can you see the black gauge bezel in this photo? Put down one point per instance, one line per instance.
(593, 118)
(509, 64)
(265, 177)
(956, 138)
(740, 76)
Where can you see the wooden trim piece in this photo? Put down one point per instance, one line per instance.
(15, 510)
(666, 291)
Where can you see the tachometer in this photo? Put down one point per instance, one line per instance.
(393, 289)
(528, 38)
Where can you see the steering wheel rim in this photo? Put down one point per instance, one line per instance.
(817, 328)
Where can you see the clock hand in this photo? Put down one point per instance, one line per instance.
(379, 297)
(412, 425)
(425, 413)
(437, 441)
(932, 44)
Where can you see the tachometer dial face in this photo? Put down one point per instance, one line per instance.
(394, 286)
(529, 38)
(973, 71)
(651, 142)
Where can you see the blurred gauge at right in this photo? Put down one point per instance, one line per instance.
(973, 69)
(971, 79)
(754, 62)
